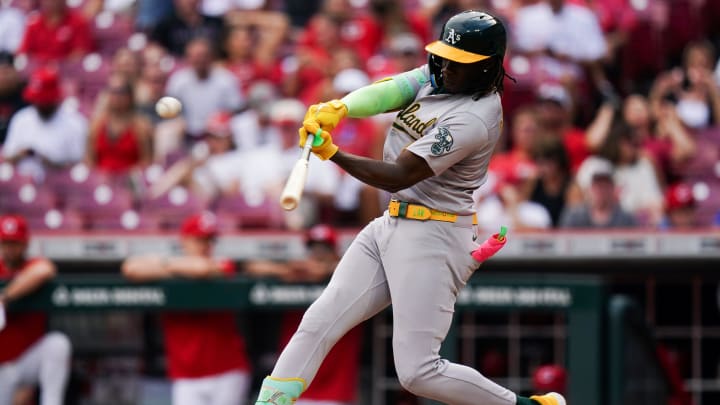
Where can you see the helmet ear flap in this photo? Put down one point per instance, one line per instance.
(435, 65)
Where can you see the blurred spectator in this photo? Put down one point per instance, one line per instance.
(29, 355)
(549, 187)
(601, 208)
(176, 31)
(404, 52)
(680, 208)
(692, 89)
(251, 128)
(634, 174)
(213, 168)
(634, 34)
(149, 13)
(126, 63)
(320, 54)
(206, 356)
(12, 27)
(555, 117)
(562, 38)
(44, 134)
(203, 87)
(336, 381)
(322, 85)
(390, 19)
(119, 137)
(355, 202)
(441, 10)
(666, 144)
(323, 179)
(692, 95)
(218, 8)
(517, 163)
(56, 33)
(499, 202)
(338, 25)
(252, 46)
(550, 378)
(149, 88)
(300, 12)
(11, 87)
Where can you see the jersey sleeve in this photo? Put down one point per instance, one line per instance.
(451, 141)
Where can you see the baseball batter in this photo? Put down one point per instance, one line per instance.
(416, 256)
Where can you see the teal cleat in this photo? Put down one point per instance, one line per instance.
(280, 391)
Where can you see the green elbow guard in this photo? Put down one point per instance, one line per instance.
(385, 95)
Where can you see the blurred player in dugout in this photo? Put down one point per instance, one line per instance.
(337, 379)
(206, 356)
(30, 357)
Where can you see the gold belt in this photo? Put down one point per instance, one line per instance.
(415, 211)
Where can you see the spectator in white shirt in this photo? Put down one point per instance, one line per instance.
(500, 203)
(560, 36)
(213, 168)
(203, 87)
(44, 135)
(12, 28)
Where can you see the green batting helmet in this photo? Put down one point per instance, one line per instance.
(470, 36)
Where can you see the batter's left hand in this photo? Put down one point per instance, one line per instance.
(325, 149)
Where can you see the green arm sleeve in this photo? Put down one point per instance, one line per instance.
(385, 95)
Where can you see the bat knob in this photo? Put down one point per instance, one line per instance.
(288, 203)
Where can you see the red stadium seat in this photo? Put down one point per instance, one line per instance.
(234, 211)
(100, 204)
(28, 200)
(129, 220)
(78, 180)
(56, 221)
(111, 32)
(10, 181)
(171, 208)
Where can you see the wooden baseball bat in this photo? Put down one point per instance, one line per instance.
(295, 184)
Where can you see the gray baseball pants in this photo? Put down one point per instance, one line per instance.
(419, 267)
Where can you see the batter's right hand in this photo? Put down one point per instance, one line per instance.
(326, 115)
(323, 148)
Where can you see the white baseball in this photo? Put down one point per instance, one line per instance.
(168, 107)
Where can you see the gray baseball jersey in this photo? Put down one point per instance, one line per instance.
(418, 266)
(455, 134)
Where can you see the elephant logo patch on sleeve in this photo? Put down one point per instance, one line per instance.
(444, 142)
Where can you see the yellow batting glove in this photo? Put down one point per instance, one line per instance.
(326, 115)
(323, 146)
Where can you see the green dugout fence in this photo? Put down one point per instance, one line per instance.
(580, 297)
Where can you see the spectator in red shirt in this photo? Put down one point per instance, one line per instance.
(517, 163)
(119, 135)
(252, 46)
(555, 116)
(337, 379)
(205, 352)
(56, 33)
(29, 356)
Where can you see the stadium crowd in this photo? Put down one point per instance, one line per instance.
(612, 110)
